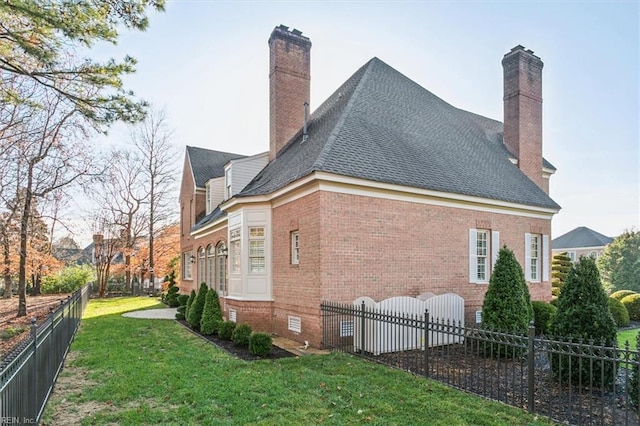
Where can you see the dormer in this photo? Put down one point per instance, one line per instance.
(239, 172)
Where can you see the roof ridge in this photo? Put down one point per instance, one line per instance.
(322, 157)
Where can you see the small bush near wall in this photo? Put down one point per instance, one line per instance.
(543, 313)
(192, 298)
(618, 312)
(226, 330)
(211, 314)
(194, 316)
(180, 313)
(632, 303)
(260, 344)
(621, 294)
(182, 299)
(241, 335)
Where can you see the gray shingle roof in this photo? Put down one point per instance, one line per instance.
(580, 237)
(381, 126)
(207, 164)
(211, 217)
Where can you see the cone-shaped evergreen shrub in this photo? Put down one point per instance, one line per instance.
(583, 315)
(225, 331)
(180, 313)
(192, 298)
(507, 304)
(211, 314)
(182, 299)
(171, 299)
(260, 344)
(621, 294)
(195, 311)
(241, 335)
(632, 303)
(543, 313)
(618, 312)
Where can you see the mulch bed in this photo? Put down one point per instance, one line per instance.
(239, 352)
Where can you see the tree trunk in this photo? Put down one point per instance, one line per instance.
(24, 223)
(7, 266)
(151, 212)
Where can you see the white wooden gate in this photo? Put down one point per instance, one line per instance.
(383, 337)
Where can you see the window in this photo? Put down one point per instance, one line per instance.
(236, 253)
(227, 185)
(186, 265)
(201, 265)
(210, 266)
(295, 248)
(572, 255)
(256, 249)
(221, 252)
(593, 254)
(483, 253)
(536, 257)
(208, 204)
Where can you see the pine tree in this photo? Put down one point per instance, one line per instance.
(195, 311)
(583, 315)
(211, 314)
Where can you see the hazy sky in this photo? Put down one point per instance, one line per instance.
(206, 63)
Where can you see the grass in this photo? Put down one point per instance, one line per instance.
(628, 336)
(134, 371)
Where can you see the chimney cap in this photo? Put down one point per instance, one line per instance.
(519, 50)
(282, 32)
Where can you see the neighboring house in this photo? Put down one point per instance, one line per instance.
(581, 241)
(385, 190)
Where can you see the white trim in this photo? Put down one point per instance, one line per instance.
(563, 249)
(473, 257)
(527, 257)
(545, 258)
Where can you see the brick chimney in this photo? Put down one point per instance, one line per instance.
(289, 85)
(523, 111)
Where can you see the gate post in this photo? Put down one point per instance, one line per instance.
(426, 343)
(531, 366)
(362, 337)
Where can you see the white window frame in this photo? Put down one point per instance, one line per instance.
(257, 250)
(492, 248)
(295, 248)
(210, 268)
(208, 202)
(221, 264)
(571, 255)
(541, 263)
(228, 192)
(187, 265)
(201, 266)
(235, 250)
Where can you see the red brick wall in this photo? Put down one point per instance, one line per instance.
(381, 248)
(257, 314)
(289, 86)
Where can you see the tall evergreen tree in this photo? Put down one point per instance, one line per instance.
(583, 315)
(195, 310)
(211, 314)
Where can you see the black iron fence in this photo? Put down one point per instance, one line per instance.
(575, 382)
(28, 373)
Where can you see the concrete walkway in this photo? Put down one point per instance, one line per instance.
(165, 313)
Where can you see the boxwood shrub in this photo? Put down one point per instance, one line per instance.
(543, 313)
(241, 335)
(260, 344)
(621, 294)
(618, 312)
(225, 330)
(632, 303)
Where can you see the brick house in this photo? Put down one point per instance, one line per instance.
(581, 241)
(385, 190)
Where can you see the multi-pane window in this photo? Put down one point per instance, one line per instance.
(535, 257)
(295, 248)
(201, 265)
(482, 250)
(227, 185)
(208, 206)
(235, 250)
(210, 265)
(186, 265)
(256, 249)
(572, 255)
(222, 269)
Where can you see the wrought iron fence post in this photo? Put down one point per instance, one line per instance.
(34, 337)
(362, 337)
(426, 343)
(531, 366)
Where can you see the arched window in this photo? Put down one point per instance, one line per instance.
(211, 261)
(201, 266)
(221, 263)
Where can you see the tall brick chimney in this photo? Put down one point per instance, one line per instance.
(289, 85)
(523, 111)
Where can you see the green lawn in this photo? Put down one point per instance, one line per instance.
(131, 371)
(628, 335)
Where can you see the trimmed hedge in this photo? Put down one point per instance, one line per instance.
(225, 331)
(260, 344)
(618, 312)
(180, 313)
(195, 311)
(241, 335)
(182, 299)
(621, 294)
(211, 314)
(543, 313)
(192, 298)
(632, 303)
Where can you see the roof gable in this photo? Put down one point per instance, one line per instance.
(381, 126)
(207, 164)
(580, 237)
